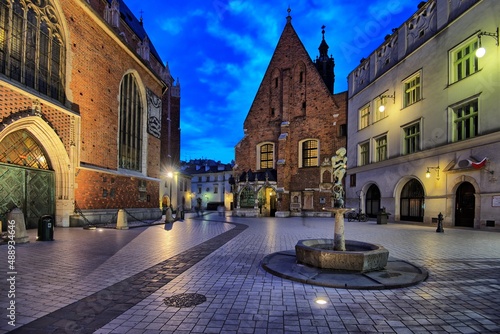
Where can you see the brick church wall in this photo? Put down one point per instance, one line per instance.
(108, 191)
(293, 99)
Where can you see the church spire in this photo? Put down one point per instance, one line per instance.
(288, 18)
(325, 64)
(323, 47)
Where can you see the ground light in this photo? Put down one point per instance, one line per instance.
(321, 301)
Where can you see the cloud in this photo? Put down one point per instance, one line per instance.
(175, 25)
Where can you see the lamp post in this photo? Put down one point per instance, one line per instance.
(170, 175)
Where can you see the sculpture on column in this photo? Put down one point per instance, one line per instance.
(339, 164)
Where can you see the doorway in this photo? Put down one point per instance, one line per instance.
(26, 179)
(465, 205)
(31, 190)
(373, 201)
(412, 201)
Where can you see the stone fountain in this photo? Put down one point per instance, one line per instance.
(340, 263)
(338, 253)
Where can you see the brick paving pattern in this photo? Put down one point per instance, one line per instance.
(116, 281)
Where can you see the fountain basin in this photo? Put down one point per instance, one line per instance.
(358, 256)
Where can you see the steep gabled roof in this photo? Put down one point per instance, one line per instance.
(129, 18)
(289, 44)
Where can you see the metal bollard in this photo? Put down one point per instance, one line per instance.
(440, 223)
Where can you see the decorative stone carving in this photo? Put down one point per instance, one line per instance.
(422, 25)
(143, 49)
(154, 114)
(112, 13)
(387, 54)
(362, 75)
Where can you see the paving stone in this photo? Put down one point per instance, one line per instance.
(115, 281)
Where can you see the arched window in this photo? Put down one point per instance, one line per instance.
(31, 47)
(130, 124)
(266, 155)
(21, 148)
(247, 198)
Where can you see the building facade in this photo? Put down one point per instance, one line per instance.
(293, 128)
(85, 111)
(211, 183)
(423, 129)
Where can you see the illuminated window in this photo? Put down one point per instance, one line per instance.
(309, 150)
(411, 138)
(364, 154)
(412, 90)
(130, 124)
(463, 60)
(364, 117)
(378, 115)
(31, 47)
(266, 156)
(381, 148)
(21, 148)
(465, 121)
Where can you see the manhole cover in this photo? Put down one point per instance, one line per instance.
(390, 275)
(185, 300)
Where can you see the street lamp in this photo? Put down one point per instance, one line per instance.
(382, 100)
(170, 175)
(428, 172)
(481, 51)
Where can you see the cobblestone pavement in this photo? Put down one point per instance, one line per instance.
(204, 276)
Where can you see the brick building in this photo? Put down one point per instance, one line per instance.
(89, 114)
(293, 128)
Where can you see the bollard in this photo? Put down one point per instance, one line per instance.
(16, 218)
(440, 223)
(121, 220)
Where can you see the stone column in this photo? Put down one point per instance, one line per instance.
(338, 236)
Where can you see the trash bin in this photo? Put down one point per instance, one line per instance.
(45, 228)
(382, 217)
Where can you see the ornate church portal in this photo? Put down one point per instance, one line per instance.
(26, 181)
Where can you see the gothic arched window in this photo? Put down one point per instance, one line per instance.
(31, 47)
(131, 119)
(21, 148)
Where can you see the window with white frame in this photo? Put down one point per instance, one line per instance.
(463, 60)
(265, 153)
(381, 148)
(411, 138)
(412, 90)
(378, 115)
(364, 153)
(364, 117)
(309, 152)
(465, 118)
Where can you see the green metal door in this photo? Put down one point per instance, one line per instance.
(30, 189)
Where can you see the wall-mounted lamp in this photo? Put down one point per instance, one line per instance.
(481, 51)
(382, 100)
(428, 173)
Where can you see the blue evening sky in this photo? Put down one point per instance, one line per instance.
(220, 49)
